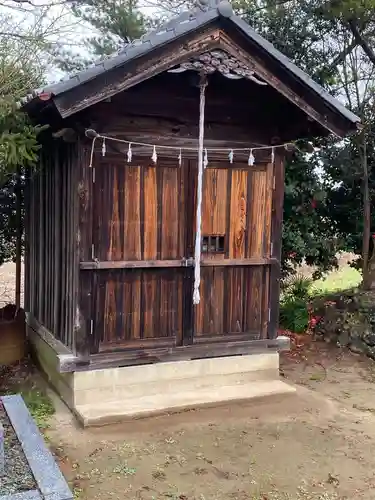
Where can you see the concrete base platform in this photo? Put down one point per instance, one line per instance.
(118, 411)
(110, 395)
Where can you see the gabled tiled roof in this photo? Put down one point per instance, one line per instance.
(173, 29)
(179, 26)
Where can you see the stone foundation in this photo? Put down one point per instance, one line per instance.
(114, 394)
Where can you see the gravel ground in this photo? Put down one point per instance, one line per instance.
(18, 476)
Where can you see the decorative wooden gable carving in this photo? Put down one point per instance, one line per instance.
(221, 61)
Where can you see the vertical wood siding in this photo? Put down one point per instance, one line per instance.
(144, 212)
(50, 235)
(140, 211)
(139, 306)
(237, 203)
(233, 301)
(139, 216)
(214, 201)
(276, 238)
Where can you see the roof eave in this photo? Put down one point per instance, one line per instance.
(352, 120)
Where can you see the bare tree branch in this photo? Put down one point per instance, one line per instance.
(359, 38)
(339, 59)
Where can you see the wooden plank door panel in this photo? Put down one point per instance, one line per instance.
(259, 213)
(144, 230)
(237, 203)
(139, 252)
(234, 303)
(139, 308)
(237, 194)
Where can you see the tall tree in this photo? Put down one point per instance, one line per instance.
(334, 42)
(114, 23)
(357, 17)
(315, 44)
(22, 58)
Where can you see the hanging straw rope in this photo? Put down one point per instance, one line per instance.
(92, 151)
(197, 253)
(92, 134)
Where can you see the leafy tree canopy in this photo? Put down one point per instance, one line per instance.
(19, 73)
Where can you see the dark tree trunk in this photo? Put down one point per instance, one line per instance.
(368, 266)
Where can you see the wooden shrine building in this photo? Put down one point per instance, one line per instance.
(153, 225)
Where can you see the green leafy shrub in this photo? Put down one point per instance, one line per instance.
(294, 304)
(294, 315)
(298, 286)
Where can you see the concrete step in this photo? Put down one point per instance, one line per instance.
(129, 408)
(119, 392)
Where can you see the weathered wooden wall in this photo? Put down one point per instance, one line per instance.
(51, 261)
(137, 220)
(165, 110)
(139, 210)
(111, 246)
(137, 253)
(142, 249)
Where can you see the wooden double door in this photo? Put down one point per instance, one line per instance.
(143, 242)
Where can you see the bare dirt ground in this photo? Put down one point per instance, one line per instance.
(8, 284)
(317, 444)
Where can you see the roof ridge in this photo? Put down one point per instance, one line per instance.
(185, 16)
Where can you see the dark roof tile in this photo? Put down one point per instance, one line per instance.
(164, 36)
(185, 22)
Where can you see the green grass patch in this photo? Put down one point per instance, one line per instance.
(37, 401)
(23, 379)
(345, 278)
(40, 406)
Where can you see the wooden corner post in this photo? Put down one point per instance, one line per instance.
(276, 243)
(83, 319)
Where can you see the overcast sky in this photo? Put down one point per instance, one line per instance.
(63, 28)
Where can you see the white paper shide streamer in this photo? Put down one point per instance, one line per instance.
(205, 159)
(92, 134)
(251, 159)
(197, 253)
(231, 156)
(154, 156)
(130, 153)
